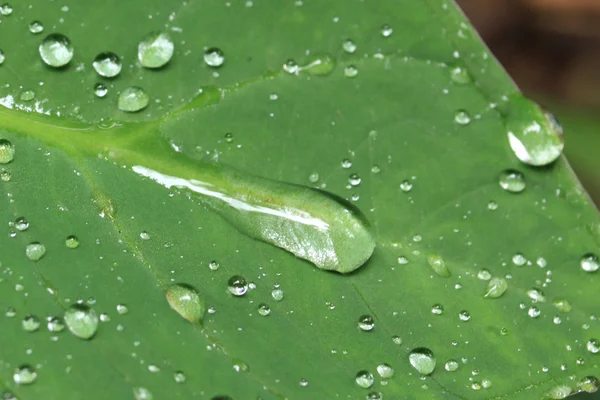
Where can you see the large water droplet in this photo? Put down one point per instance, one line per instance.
(589, 384)
(214, 57)
(512, 181)
(36, 27)
(559, 392)
(24, 375)
(82, 321)
(496, 288)
(186, 301)
(237, 285)
(56, 50)
(7, 151)
(107, 64)
(364, 379)
(590, 262)
(534, 136)
(35, 251)
(6, 9)
(423, 360)
(311, 224)
(155, 50)
(133, 99)
(277, 294)
(438, 264)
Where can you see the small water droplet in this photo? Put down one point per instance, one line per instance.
(5, 175)
(133, 99)
(2, 57)
(72, 242)
(7, 151)
(519, 259)
(31, 323)
(350, 71)
(107, 64)
(277, 294)
(81, 320)
(122, 309)
(179, 377)
(438, 264)
(313, 178)
(155, 50)
(303, 382)
(460, 75)
(496, 288)
(35, 251)
(534, 312)
(559, 392)
(423, 360)
(214, 57)
(55, 324)
(406, 186)
(385, 371)
(386, 30)
(291, 67)
(10, 312)
(536, 295)
(562, 305)
(464, 315)
(349, 46)
(375, 396)
(451, 366)
(36, 27)
(364, 379)
(264, 309)
(141, 393)
(366, 323)
(240, 366)
(397, 340)
(593, 346)
(24, 375)
(27, 95)
(437, 309)
(237, 285)
(213, 265)
(589, 262)
(186, 301)
(462, 117)
(56, 50)
(100, 90)
(492, 206)
(21, 224)
(354, 179)
(484, 275)
(512, 181)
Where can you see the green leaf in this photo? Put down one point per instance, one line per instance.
(394, 106)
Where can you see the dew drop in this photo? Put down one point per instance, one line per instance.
(438, 264)
(237, 285)
(364, 379)
(366, 323)
(589, 384)
(5, 175)
(240, 366)
(7, 151)
(155, 50)
(589, 262)
(423, 360)
(536, 295)
(31, 323)
(2, 57)
(492, 206)
(350, 71)
(133, 99)
(349, 46)
(291, 67)
(144, 235)
(36, 27)
(56, 50)
(72, 242)
(100, 90)
(264, 309)
(186, 302)
(214, 57)
(122, 309)
(81, 320)
(21, 224)
(35, 251)
(303, 382)
(374, 396)
(496, 288)
(512, 181)
(464, 315)
(313, 178)
(24, 375)
(107, 64)
(451, 366)
(462, 117)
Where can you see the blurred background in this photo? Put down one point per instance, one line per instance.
(551, 48)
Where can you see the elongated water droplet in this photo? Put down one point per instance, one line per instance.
(214, 57)
(7, 151)
(320, 66)
(364, 379)
(366, 323)
(438, 264)
(133, 99)
(107, 64)
(186, 301)
(536, 295)
(589, 384)
(155, 50)
(309, 223)
(35, 251)
(512, 181)
(56, 50)
(36, 27)
(559, 392)
(496, 288)
(590, 262)
(24, 375)
(423, 360)
(81, 320)
(237, 285)
(534, 136)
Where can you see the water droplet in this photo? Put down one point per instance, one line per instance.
(349, 46)
(350, 71)
(72, 242)
(406, 186)
(31, 323)
(313, 178)
(519, 259)
(237, 285)
(122, 309)
(320, 66)
(496, 288)
(464, 315)
(534, 312)
(423, 360)
(438, 264)
(354, 179)
(100, 90)
(2, 57)
(264, 309)
(141, 393)
(397, 340)
(6, 9)
(385, 371)
(562, 305)
(291, 67)
(5, 175)
(56, 50)
(35, 251)
(179, 377)
(386, 30)
(81, 320)
(512, 181)
(536, 295)
(374, 396)
(240, 366)
(364, 379)
(7, 151)
(277, 294)
(213, 265)
(36, 27)
(460, 75)
(133, 99)
(593, 346)
(107, 64)
(559, 392)
(214, 57)
(10, 312)
(144, 235)
(366, 323)
(402, 260)
(186, 301)
(55, 324)
(303, 382)
(21, 224)
(437, 309)
(155, 50)
(462, 117)
(27, 95)
(484, 275)
(24, 375)
(589, 262)
(492, 206)
(535, 137)
(451, 366)
(589, 384)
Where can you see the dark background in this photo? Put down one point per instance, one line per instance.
(551, 48)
